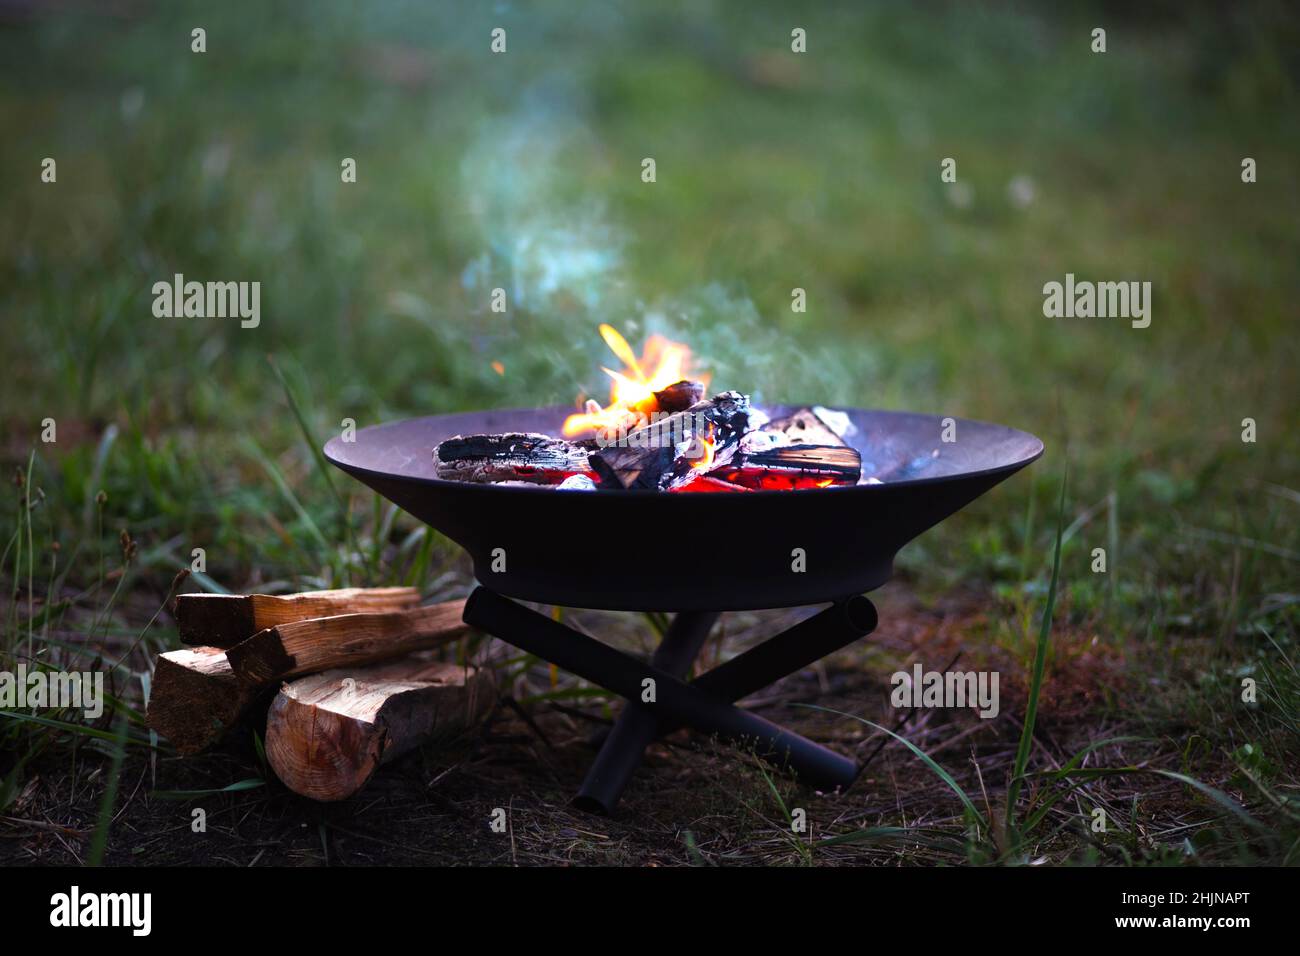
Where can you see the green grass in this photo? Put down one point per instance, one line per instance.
(774, 171)
(1011, 838)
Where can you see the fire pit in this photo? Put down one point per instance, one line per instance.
(601, 509)
(699, 554)
(646, 550)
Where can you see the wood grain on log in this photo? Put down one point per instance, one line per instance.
(223, 620)
(345, 640)
(195, 698)
(327, 734)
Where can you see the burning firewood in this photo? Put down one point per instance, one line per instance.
(658, 434)
(794, 466)
(678, 397)
(674, 449)
(327, 734)
(347, 640)
(515, 456)
(223, 620)
(708, 484)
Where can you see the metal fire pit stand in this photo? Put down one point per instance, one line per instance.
(706, 704)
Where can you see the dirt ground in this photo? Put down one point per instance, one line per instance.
(693, 801)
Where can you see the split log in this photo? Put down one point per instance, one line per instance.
(679, 396)
(794, 466)
(327, 734)
(347, 640)
(198, 694)
(195, 698)
(673, 449)
(223, 620)
(514, 456)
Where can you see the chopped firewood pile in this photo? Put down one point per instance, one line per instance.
(345, 678)
(659, 433)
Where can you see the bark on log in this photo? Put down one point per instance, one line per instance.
(195, 698)
(327, 734)
(223, 620)
(347, 640)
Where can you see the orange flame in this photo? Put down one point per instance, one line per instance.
(707, 447)
(631, 396)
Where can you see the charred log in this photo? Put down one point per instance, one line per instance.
(679, 396)
(672, 450)
(515, 456)
(794, 466)
(708, 484)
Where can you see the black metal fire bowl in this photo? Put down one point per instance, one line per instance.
(697, 554)
(647, 550)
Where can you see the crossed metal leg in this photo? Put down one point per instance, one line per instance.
(706, 704)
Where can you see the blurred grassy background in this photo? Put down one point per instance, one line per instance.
(775, 171)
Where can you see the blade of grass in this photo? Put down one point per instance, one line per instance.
(319, 455)
(875, 834)
(252, 783)
(94, 483)
(1065, 773)
(31, 557)
(693, 850)
(277, 477)
(942, 774)
(1040, 663)
(65, 725)
(1218, 796)
(804, 851)
(99, 842)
